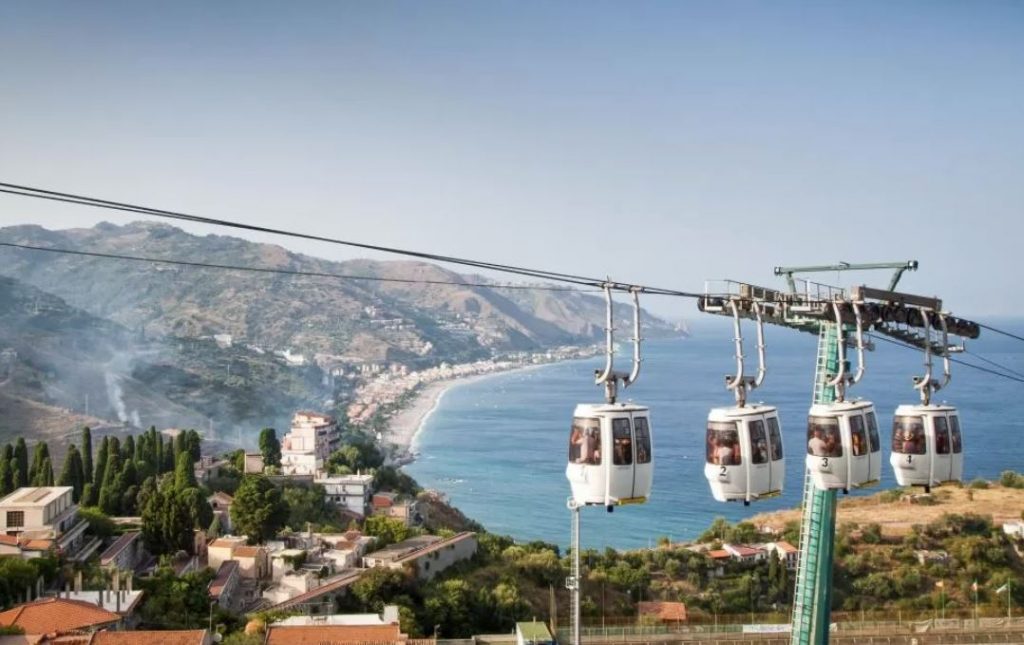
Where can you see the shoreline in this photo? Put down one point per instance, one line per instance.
(405, 427)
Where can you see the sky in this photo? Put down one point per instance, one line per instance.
(656, 142)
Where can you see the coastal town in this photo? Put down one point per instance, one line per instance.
(261, 575)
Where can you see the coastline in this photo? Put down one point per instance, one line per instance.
(406, 425)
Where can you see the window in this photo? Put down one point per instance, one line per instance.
(775, 436)
(723, 444)
(15, 519)
(873, 440)
(858, 436)
(643, 440)
(823, 438)
(758, 442)
(941, 436)
(954, 432)
(622, 442)
(908, 436)
(585, 441)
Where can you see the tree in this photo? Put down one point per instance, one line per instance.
(87, 455)
(39, 455)
(99, 524)
(128, 449)
(167, 463)
(193, 444)
(306, 505)
(20, 463)
(377, 587)
(7, 470)
(44, 473)
(101, 465)
(184, 471)
(89, 495)
(110, 494)
(270, 447)
(258, 510)
(176, 602)
(387, 530)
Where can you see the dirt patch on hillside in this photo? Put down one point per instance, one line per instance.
(896, 517)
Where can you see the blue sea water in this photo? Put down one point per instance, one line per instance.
(498, 446)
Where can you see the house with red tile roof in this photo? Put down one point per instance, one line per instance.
(60, 616)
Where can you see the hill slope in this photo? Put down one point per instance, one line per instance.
(358, 319)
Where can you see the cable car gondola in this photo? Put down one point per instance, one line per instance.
(611, 453)
(927, 445)
(744, 458)
(844, 450)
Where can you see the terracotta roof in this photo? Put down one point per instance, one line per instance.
(12, 540)
(742, 550)
(227, 542)
(37, 545)
(334, 634)
(223, 575)
(246, 551)
(719, 554)
(666, 611)
(191, 637)
(49, 615)
(787, 547)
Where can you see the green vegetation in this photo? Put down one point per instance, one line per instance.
(259, 511)
(270, 447)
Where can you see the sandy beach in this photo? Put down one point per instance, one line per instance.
(407, 423)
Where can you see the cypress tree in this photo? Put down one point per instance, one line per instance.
(6, 477)
(87, 455)
(128, 449)
(184, 472)
(181, 442)
(20, 463)
(193, 443)
(89, 494)
(167, 464)
(35, 471)
(71, 473)
(270, 447)
(101, 466)
(46, 473)
(110, 495)
(156, 445)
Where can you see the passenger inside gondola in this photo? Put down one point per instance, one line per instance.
(824, 439)
(623, 442)
(954, 431)
(723, 445)
(858, 436)
(775, 435)
(908, 436)
(585, 442)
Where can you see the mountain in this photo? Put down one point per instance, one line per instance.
(62, 368)
(355, 320)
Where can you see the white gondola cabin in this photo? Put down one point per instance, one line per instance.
(927, 446)
(844, 450)
(744, 460)
(610, 454)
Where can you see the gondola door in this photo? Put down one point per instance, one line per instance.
(942, 468)
(643, 469)
(622, 474)
(957, 442)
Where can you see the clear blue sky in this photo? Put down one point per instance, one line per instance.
(659, 142)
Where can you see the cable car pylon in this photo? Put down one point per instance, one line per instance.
(831, 313)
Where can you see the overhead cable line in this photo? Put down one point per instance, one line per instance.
(291, 272)
(81, 200)
(1009, 370)
(1000, 331)
(955, 360)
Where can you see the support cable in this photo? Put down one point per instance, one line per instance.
(81, 200)
(957, 361)
(291, 272)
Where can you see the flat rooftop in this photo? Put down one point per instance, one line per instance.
(34, 496)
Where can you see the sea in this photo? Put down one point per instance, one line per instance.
(497, 447)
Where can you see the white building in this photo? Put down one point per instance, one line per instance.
(1014, 529)
(312, 439)
(44, 513)
(349, 492)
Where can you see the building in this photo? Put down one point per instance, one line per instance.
(254, 463)
(45, 513)
(388, 617)
(209, 467)
(925, 557)
(663, 612)
(785, 552)
(225, 588)
(312, 439)
(348, 492)
(221, 502)
(122, 602)
(533, 633)
(427, 554)
(336, 635)
(253, 561)
(59, 615)
(179, 637)
(126, 553)
(745, 552)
